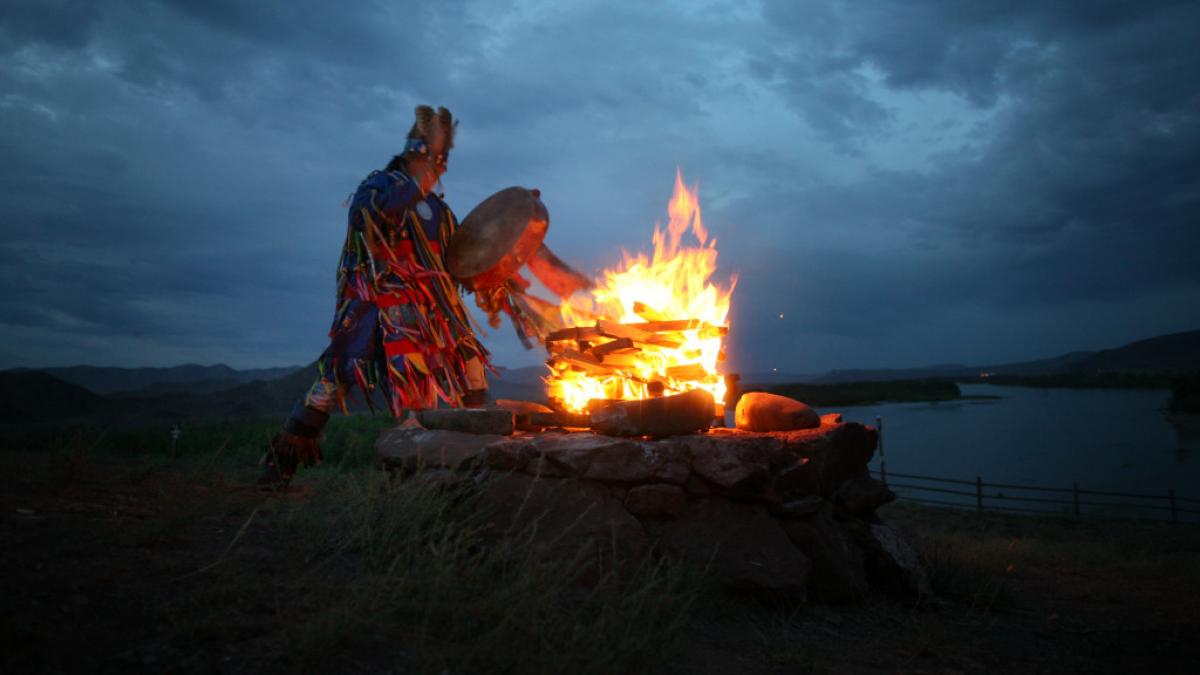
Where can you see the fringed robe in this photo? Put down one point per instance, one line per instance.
(401, 326)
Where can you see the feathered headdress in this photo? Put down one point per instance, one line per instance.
(432, 133)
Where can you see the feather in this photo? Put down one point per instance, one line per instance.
(424, 122)
(449, 127)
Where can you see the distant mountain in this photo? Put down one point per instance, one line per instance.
(188, 377)
(774, 377)
(1052, 366)
(35, 397)
(889, 374)
(1162, 355)
(1177, 352)
(523, 375)
(522, 384)
(258, 398)
(138, 395)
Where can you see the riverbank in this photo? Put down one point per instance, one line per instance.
(128, 558)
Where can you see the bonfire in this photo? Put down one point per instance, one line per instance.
(649, 327)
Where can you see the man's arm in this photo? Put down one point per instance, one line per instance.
(390, 193)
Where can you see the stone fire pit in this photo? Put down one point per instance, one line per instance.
(789, 514)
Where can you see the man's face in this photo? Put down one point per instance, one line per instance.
(427, 171)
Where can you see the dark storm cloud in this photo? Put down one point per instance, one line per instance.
(1087, 190)
(906, 182)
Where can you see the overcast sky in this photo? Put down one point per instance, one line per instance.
(907, 182)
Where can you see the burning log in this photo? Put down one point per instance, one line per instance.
(635, 333)
(577, 334)
(646, 311)
(608, 348)
(623, 361)
(657, 417)
(653, 327)
(579, 360)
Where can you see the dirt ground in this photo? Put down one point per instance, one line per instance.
(114, 565)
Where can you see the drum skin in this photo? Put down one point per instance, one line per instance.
(497, 238)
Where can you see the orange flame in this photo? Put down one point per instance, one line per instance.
(672, 284)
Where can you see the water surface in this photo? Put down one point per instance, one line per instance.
(1104, 439)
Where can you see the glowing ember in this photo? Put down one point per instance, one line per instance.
(652, 326)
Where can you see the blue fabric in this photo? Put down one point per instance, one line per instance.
(355, 336)
(358, 333)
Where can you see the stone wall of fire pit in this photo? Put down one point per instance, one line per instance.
(787, 514)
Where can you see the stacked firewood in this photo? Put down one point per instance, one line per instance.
(609, 349)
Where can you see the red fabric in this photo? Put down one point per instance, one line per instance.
(401, 346)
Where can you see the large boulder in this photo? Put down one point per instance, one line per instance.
(892, 565)
(655, 499)
(861, 496)
(838, 573)
(567, 515)
(744, 546)
(761, 411)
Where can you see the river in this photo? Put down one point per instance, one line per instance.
(1104, 439)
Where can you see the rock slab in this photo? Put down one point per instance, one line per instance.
(761, 411)
(788, 515)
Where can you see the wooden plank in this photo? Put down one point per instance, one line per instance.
(619, 330)
(647, 312)
(665, 326)
(710, 331)
(623, 359)
(584, 362)
(575, 333)
(599, 351)
(687, 372)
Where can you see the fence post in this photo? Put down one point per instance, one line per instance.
(979, 494)
(882, 459)
(1171, 497)
(1075, 497)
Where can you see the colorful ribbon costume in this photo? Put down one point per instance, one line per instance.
(401, 326)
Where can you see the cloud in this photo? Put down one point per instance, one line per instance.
(906, 181)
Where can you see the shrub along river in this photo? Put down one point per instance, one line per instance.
(1105, 439)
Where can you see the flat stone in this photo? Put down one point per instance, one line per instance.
(656, 499)
(762, 411)
(468, 420)
(510, 454)
(684, 413)
(528, 415)
(609, 459)
(838, 572)
(862, 496)
(522, 407)
(891, 564)
(747, 548)
(739, 462)
(411, 447)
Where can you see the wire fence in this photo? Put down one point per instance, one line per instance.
(1074, 500)
(984, 496)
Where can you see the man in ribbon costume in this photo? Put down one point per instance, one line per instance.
(401, 327)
